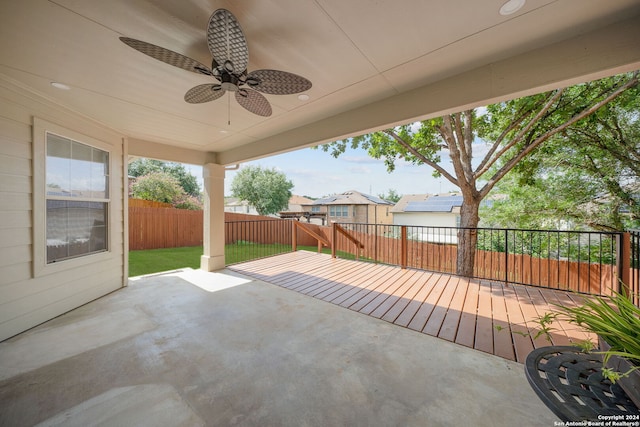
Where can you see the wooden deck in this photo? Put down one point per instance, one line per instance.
(487, 316)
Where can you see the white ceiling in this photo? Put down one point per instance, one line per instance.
(372, 62)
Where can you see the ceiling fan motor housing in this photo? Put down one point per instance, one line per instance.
(229, 82)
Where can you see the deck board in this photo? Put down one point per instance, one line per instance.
(421, 317)
(520, 333)
(451, 319)
(414, 305)
(466, 329)
(502, 340)
(488, 316)
(484, 321)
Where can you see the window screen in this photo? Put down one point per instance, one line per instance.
(77, 199)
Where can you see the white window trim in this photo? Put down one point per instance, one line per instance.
(40, 266)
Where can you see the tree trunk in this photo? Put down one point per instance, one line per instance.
(467, 236)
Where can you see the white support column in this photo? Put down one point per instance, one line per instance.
(213, 258)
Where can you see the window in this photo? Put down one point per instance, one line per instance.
(315, 209)
(339, 211)
(77, 198)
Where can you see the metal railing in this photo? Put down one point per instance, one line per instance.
(582, 261)
(633, 283)
(248, 240)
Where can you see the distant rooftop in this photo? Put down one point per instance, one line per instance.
(351, 198)
(428, 203)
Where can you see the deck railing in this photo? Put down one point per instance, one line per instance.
(633, 283)
(247, 240)
(583, 261)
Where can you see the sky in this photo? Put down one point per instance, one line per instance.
(315, 173)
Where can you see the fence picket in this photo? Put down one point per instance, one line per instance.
(157, 227)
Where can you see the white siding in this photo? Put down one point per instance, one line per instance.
(25, 300)
(429, 219)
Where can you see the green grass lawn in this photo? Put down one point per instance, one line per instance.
(156, 260)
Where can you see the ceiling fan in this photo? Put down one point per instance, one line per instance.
(230, 53)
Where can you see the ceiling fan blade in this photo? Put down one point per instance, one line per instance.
(226, 41)
(203, 93)
(168, 56)
(254, 102)
(276, 82)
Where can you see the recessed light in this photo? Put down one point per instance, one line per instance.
(303, 97)
(224, 131)
(60, 86)
(512, 6)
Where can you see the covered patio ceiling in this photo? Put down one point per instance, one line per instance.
(372, 64)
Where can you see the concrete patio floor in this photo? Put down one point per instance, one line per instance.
(194, 348)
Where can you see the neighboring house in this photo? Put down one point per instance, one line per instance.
(440, 210)
(297, 202)
(296, 210)
(235, 205)
(232, 204)
(433, 212)
(352, 207)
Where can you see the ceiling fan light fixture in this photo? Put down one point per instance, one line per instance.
(511, 7)
(229, 82)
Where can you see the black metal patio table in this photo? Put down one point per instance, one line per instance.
(570, 382)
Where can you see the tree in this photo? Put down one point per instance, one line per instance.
(588, 175)
(512, 129)
(157, 186)
(267, 190)
(186, 180)
(392, 196)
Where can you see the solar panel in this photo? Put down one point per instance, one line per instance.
(435, 204)
(376, 200)
(325, 200)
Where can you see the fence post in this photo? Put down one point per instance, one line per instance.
(294, 236)
(403, 247)
(506, 256)
(623, 262)
(334, 239)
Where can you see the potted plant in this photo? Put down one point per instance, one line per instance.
(616, 321)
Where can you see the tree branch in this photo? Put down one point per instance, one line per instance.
(633, 81)
(522, 132)
(514, 124)
(424, 159)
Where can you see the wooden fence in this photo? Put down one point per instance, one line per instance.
(161, 227)
(154, 228)
(595, 278)
(154, 225)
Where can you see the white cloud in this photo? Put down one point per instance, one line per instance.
(359, 170)
(361, 159)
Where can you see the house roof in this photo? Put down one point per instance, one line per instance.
(299, 200)
(431, 58)
(351, 198)
(428, 203)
